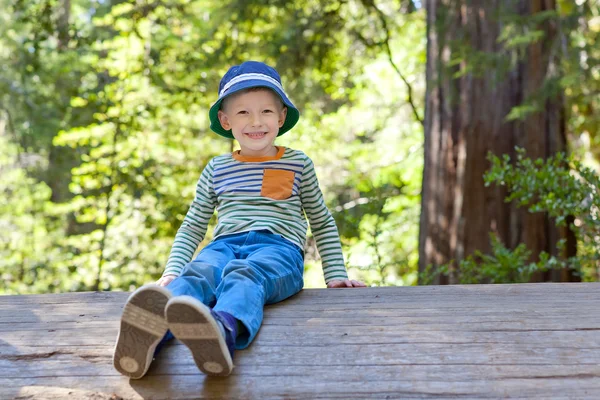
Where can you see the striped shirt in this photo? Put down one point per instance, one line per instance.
(250, 194)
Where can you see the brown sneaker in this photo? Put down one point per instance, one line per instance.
(143, 325)
(196, 326)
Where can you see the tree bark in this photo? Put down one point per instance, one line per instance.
(465, 118)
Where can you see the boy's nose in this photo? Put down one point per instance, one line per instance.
(255, 120)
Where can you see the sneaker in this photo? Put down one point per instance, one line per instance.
(204, 332)
(143, 326)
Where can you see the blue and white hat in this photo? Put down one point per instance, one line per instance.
(248, 75)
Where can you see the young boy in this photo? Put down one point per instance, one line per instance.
(261, 192)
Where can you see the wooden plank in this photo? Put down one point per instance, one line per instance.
(548, 291)
(81, 315)
(334, 382)
(91, 362)
(323, 334)
(507, 318)
(480, 341)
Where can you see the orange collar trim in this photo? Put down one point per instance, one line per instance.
(239, 157)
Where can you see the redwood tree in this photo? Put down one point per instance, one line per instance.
(492, 68)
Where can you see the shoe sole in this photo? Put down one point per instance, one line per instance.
(191, 322)
(143, 326)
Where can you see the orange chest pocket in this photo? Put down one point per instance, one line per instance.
(277, 184)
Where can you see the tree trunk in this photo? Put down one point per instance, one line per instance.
(465, 118)
(62, 25)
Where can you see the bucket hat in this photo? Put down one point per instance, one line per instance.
(247, 75)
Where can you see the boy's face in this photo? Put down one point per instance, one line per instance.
(254, 118)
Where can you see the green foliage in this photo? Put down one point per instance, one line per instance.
(503, 265)
(581, 73)
(560, 186)
(563, 188)
(114, 100)
(110, 100)
(30, 233)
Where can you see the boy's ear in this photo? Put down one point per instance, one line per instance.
(282, 116)
(224, 120)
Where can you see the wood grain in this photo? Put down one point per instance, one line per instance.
(477, 341)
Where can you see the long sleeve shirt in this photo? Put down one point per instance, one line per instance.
(260, 193)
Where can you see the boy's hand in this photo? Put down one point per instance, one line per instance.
(344, 283)
(165, 280)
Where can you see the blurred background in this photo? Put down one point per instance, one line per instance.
(455, 141)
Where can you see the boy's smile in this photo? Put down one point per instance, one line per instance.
(254, 118)
(256, 135)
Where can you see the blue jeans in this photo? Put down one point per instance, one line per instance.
(239, 274)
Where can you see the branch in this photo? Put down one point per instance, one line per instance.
(388, 50)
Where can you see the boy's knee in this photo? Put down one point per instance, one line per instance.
(200, 271)
(244, 270)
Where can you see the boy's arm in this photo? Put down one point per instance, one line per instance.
(194, 225)
(323, 226)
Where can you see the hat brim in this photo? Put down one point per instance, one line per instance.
(292, 117)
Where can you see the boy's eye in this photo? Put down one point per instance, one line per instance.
(242, 112)
(268, 111)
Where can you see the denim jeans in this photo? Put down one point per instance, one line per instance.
(239, 274)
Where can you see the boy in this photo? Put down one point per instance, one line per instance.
(261, 192)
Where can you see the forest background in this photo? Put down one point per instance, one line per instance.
(455, 141)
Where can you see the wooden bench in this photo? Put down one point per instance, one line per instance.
(478, 341)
